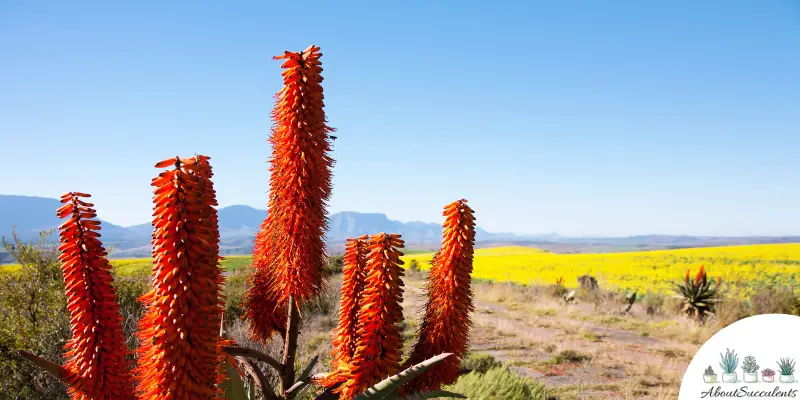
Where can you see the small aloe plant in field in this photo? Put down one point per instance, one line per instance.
(699, 295)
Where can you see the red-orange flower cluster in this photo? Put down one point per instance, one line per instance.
(179, 333)
(378, 340)
(289, 250)
(445, 326)
(353, 277)
(96, 352)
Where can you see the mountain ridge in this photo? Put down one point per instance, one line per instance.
(238, 225)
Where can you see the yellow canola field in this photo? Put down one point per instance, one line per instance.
(127, 266)
(745, 267)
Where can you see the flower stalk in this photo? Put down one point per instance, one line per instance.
(446, 323)
(95, 355)
(179, 333)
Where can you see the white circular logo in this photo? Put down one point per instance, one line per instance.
(752, 358)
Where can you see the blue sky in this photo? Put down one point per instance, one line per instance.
(580, 117)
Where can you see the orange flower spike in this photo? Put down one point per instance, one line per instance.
(700, 274)
(96, 352)
(178, 335)
(446, 323)
(379, 342)
(288, 255)
(344, 341)
(300, 182)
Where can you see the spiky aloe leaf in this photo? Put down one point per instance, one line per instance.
(435, 394)
(234, 387)
(307, 370)
(304, 379)
(387, 386)
(56, 370)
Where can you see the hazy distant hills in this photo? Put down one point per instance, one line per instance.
(239, 224)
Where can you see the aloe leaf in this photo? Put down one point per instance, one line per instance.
(234, 387)
(307, 370)
(56, 370)
(383, 388)
(304, 379)
(436, 394)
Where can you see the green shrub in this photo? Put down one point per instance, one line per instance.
(498, 383)
(479, 363)
(130, 286)
(33, 316)
(335, 264)
(654, 303)
(234, 289)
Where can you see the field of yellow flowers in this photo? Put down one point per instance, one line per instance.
(127, 266)
(744, 267)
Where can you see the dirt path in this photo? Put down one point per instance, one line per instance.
(571, 353)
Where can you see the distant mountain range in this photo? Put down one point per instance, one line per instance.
(239, 224)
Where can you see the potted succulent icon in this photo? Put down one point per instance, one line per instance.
(750, 369)
(786, 366)
(709, 376)
(768, 375)
(728, 364)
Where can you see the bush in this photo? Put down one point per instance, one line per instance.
(335, 264)
(479, 363)
(654, 304)
(234, 290)
(33, 316)
(775, 300)
(498, 383)
(129, 288)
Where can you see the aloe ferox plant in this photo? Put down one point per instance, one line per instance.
(698, 295)
(183, 353)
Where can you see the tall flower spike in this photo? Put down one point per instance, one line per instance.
(379, 342)
(179, 333)
(262, 305)
(700, 275)
(353, 277)
(289, 252)
(445, 325)
(96, 352)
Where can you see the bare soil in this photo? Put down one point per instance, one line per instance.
(576, 350)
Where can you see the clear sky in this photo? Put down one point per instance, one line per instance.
(580, 117)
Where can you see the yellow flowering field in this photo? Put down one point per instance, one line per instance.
(134, 265)
(647, 271)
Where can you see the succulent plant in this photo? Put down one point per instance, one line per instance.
(768, 372)
(182, 352)
(699, 295)
(709, 371)
(749, 365)
(729, 361)
(786, 366)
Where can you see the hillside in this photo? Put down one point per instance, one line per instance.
(239, 223)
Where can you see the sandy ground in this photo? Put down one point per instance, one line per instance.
(576, 351)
